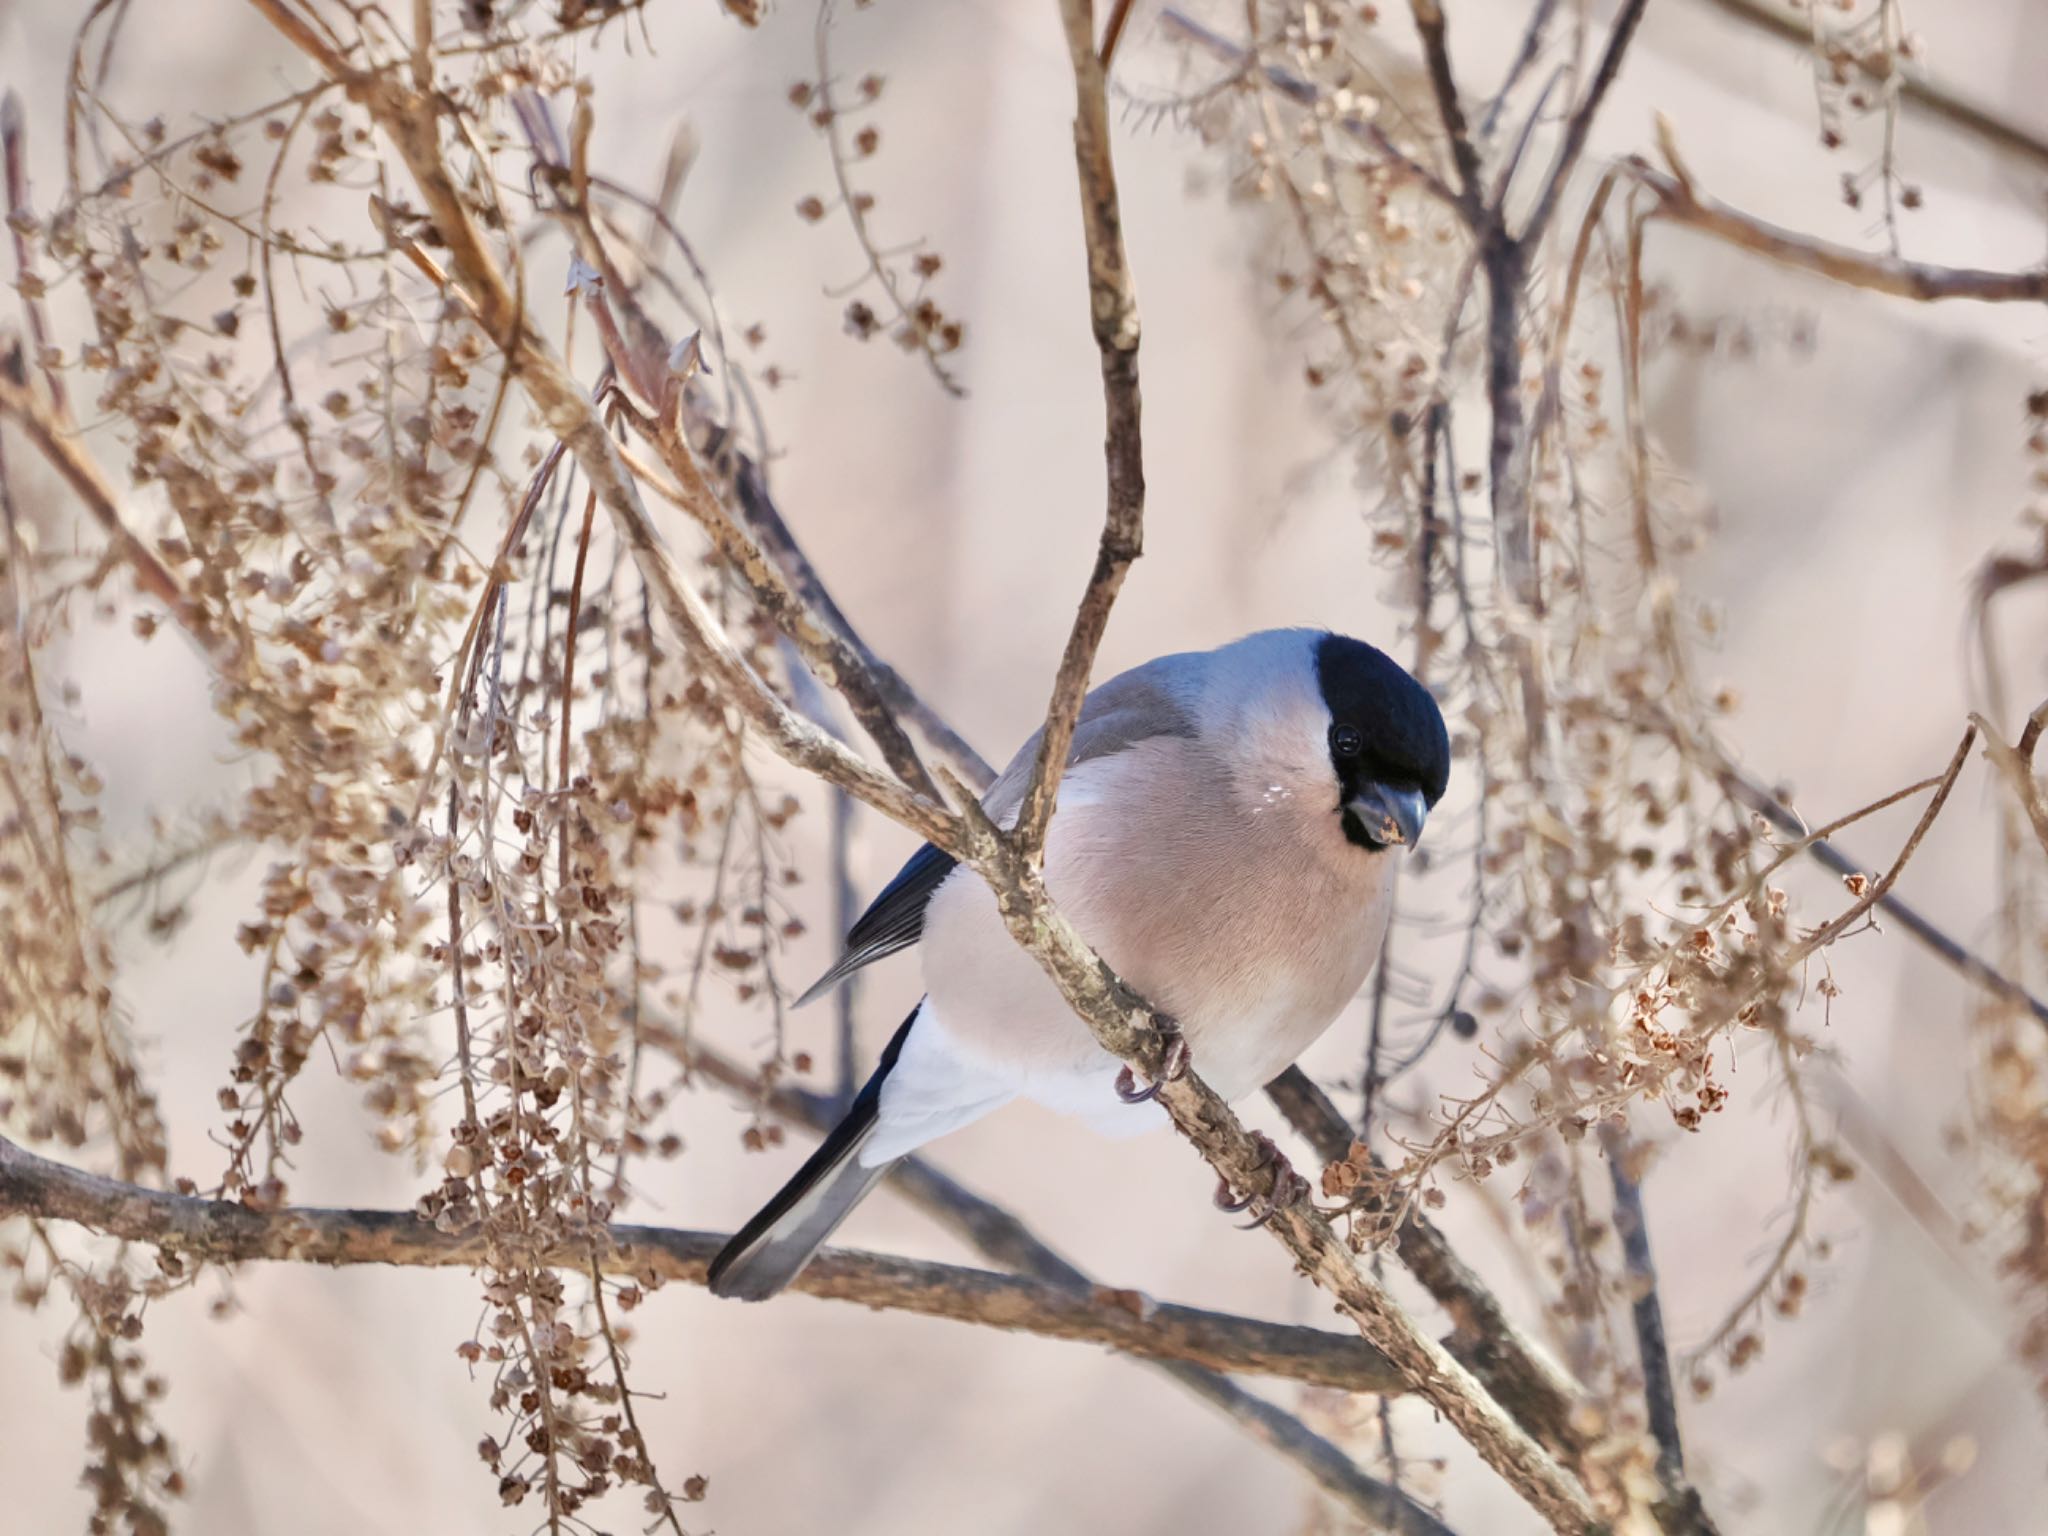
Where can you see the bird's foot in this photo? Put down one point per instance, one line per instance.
(1288, 1186)
(1127, 1087)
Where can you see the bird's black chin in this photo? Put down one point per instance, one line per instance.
(1356, 834)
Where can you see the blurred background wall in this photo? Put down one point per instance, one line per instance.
(1856, 484)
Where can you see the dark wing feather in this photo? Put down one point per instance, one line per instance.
(893, 922)
(1132, 707)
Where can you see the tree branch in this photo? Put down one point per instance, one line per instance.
(765, 522)
(224, 1232)
(1679, 201)
(1190, 1344)
(2017, 764)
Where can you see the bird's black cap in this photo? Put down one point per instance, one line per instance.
(1405, 742)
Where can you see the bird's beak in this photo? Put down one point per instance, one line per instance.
(1390, 815)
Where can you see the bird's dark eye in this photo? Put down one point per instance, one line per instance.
(1346, 740)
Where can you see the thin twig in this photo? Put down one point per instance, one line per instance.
(1958, 956)
(1113, 306)
(1532, 43)
(1580, 125)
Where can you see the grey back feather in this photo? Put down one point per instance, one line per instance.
(1142, 704)
(1131, 707)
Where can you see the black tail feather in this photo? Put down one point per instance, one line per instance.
(772, 1249)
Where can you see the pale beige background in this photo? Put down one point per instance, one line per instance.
(1856, 488)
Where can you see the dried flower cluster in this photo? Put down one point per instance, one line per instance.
(900, 276)
(458, 855)
(1861, 54)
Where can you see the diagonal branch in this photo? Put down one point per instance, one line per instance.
(1515, 1369)
(1003, 1239)
(777, 573)
(1646, 1309)
(1933, 97)
(61, 448)
(765, 522)
(1681, 202)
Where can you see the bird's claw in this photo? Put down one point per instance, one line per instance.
(1176, 1066)
(1289, 1187)
(1226, 1201)
(1128, 1090)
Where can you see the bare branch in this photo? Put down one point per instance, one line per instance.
(765, 522)
(1682, 203)
(1113, 31)
(224, 1232)
(2017, 764)
(1113, 305)
(1436, 51)
(1646, 1306)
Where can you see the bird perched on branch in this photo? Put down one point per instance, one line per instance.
(1226, 839)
